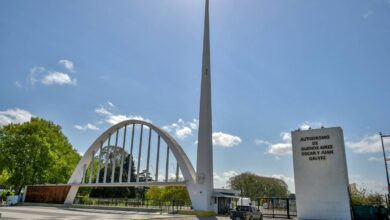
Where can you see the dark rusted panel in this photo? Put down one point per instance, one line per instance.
(47, 194)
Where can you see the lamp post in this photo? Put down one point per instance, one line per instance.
(386, 168)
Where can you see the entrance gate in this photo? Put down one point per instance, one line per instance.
(277, 207)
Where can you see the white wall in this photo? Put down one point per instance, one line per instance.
(321, 175)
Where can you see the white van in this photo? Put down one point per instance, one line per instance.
(244, 201)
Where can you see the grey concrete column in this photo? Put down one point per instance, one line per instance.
(158, 157)
(107, 158)
(139, 152)
(122, 154)
(113, 161)
(91, 167)
(204, 165)
(167, 165)
(131, 155)
(148, 157)
(100, 158)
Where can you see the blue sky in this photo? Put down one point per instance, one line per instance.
(276, 66)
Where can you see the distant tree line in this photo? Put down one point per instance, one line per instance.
(254, 186)
(361, 196)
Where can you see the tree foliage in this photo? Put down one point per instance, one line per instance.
(109, 155)
(35, 152)
(360, 196)
(254, 186)
(168, 193)
(141, 191)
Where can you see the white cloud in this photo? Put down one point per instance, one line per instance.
(278, 149)
(372, 186)
(110, 104)
(46, 77)
(183, 132)
(115, 119)
(18, 84)
(284, 147)
(368, 14)
(368, 144)
(102, 111)
(221, 181)
(288, 180)
(225, 140)
(172, 176)
(14, 116)
(58, 78)
(108, 117)
(376, 159)
(229, 174)
(88, 126)
(112, 118)
(194, 124)
(259, 142)
(35, 74)
(308, 125)
(67, 64)
(182, 129)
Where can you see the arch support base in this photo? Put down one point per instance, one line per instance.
(201, 197)
(71, 195)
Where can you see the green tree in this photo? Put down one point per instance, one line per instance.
(141, 191)
(35, 152)
(108, 155)
(168, 193)
(375, 199)
(254, 186)
(360, 196)
(4, 176)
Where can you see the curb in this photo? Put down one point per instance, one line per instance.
(116, 208)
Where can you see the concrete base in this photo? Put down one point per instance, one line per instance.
(200, 198)
(71, 195)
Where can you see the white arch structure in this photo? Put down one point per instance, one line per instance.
(199, 185)
(78, 178)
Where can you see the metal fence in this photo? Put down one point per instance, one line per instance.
(163, 206)
(277, 207)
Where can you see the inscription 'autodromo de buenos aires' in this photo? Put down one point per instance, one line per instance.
(312, 150)
(321, 174)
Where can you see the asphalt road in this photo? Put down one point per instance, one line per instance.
(46, 213)
(43, 213)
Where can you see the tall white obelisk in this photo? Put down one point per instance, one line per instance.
(204, 165)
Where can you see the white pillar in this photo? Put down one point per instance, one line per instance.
(204, 166)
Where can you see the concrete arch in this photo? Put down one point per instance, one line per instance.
(184, 163)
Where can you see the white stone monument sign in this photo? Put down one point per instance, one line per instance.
(321, 175)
